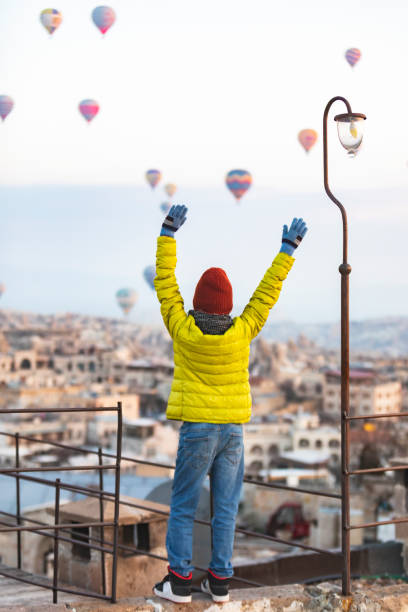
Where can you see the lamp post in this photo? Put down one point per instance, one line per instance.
(350, 132)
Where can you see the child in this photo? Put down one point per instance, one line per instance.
(211, 395)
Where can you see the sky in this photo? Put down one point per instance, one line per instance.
(195, 89)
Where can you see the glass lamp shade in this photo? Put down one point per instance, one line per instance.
(350, 131)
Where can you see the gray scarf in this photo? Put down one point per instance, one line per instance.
(212, 324)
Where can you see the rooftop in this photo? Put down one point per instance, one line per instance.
(85, 509)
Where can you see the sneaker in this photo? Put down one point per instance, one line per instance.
(174, 587)
(216, 587)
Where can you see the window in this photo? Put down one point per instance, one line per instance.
(25, 364)
(255, 466)
(81, 551)
(91, 366)
(256, 450)
(318, 444)
(286, 516)
(48, 563)
(136, 536)
(273, 449)
(303, 443)
(81, 367)
(334, 443)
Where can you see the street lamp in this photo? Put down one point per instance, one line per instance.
(350, 132)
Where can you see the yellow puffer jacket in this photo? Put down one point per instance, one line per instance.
(211, 378)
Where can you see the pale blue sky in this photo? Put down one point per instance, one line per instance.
(195, 89)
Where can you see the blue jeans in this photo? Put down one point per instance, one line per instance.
(205, 448)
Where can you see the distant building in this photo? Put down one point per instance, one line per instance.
(323, 438)
(263, 443)
(369, 394)
(147, 372)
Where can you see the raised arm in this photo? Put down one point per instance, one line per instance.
(171, 302)
(267, 293)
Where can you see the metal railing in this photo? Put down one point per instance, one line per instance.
(104, 547)
(20, 473)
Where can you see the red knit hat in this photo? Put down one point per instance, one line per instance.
(213, 293)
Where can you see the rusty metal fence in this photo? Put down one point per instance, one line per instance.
(55, 530)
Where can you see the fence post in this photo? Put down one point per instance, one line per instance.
(18, 505)
(211, 514)
(56, 542)
(101, 513)
(117, 497)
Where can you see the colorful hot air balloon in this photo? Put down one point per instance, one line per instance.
(353, 56)
(51, 19)
(307, 139)
(103, 17)
(88, 109)
(165, 207)
(2, 288)
(153, 177)
(6, 106)
(149, 274)
(170, 189)
(238, 182)
(126, 299)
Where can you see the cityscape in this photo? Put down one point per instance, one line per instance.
(293, 439)
(203, 322)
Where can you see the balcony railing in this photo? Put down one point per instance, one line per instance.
(63, 532)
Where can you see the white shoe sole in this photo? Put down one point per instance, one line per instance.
(170, 596)
(216, 598)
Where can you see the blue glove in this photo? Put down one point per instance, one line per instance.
(293, 237)
(174, 220)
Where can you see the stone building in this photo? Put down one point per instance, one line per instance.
(369, 393)
(264, 442)
(145, 530)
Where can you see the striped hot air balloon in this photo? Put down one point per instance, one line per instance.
(353, 55)
(51, 19)
(307, 139)
(103, 17)
(238, 182)
(126, 299)
(170, 189)
(153, 177)
(88, 109)
(6, 106)
(149, 274)
(165, 207)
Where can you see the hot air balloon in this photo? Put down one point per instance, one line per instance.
(165, 207)
(103, 17)
(126, 299)
(6, 106)
(170, 189)
(2, 288)
(149, 274)
(88, 109)
(307, 139)
(153, 177)
(51, 19)
(353, 56)
(238, 182)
